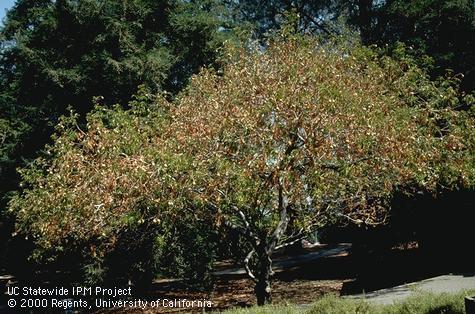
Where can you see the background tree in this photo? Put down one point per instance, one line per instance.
(441, 29)
(267, 16)
(279, 143)
(427, 26)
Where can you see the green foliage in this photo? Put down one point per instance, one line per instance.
(429, 27)
(269, 309)
(186, 249)
(339, 305)
(69, 51)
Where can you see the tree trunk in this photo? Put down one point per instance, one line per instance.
(263, 292)
(263, 287)
(264, 247)
(364, 20)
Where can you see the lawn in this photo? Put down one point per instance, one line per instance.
(422, 302)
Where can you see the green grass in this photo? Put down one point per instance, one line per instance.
(421, 302)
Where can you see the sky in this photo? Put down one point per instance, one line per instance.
(5, 4)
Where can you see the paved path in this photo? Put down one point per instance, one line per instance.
(281, 264)
(446, 283)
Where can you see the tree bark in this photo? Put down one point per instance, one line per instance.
(263, 292)
(266, 247)
(262, 288)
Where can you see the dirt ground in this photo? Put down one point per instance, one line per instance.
(350, 271)
(302, 285)
(229, 293)
(240, 293)
(339, 274)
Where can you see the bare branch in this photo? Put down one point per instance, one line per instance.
(359, 221)
(278, 247)
(242, 216)
(246, 265)
(337, 167)
(315, 22)
(284, 219)
(269, 260)
(246, 230)
(356, 221)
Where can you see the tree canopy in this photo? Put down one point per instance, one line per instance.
(281, 141)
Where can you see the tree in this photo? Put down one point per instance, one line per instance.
(306, 134)
(429, 27)
(282, 141)
(268, 16)
(101, 201)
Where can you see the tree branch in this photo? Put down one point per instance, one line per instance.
(278, 247)
(246, 231)
(318, 25)
(242, 216)
(246, 265)
(282, 225)
(359, 221)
